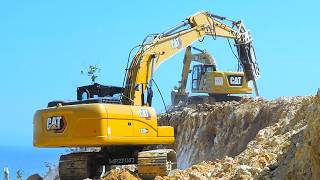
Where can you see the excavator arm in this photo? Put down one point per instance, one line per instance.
(163, 46)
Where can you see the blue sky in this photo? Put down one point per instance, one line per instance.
(45, 44)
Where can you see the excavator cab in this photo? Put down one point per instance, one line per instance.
(198, 72)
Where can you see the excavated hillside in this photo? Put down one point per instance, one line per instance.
(249, 139)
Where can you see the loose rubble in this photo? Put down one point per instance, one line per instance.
(120, 174)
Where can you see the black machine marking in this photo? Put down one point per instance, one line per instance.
(122, 161)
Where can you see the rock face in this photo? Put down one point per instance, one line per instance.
(253, 138)
(306, 162)
(250, 139)
(209, 132)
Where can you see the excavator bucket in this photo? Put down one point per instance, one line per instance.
(177, 97)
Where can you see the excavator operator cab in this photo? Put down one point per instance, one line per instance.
(198, 72)
(209, 68)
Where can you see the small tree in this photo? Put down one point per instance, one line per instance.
(92, 73)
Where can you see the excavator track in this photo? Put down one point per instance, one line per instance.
(76, 166)
(152, 163)
(211, 99)
(156, 163)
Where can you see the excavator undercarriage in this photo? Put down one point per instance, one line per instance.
(212, 98)
(178, 99)
(151, 163)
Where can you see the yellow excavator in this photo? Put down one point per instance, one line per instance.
(120, 120)
(207, 79)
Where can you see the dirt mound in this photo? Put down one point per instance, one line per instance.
(120, 174)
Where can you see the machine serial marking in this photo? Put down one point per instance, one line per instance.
(121, 161)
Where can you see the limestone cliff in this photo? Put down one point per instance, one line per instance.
(250, 139)
(253, 138)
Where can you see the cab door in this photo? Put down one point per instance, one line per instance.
(196, 77)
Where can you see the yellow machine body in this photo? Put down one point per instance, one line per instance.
(99, 124)
(217, 82)
(207, 79)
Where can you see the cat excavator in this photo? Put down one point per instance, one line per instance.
(207, 79)
(121, 120)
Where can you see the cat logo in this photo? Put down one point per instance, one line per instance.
(56, 124)
(176, 43)
(144, 113)
(235, 80)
